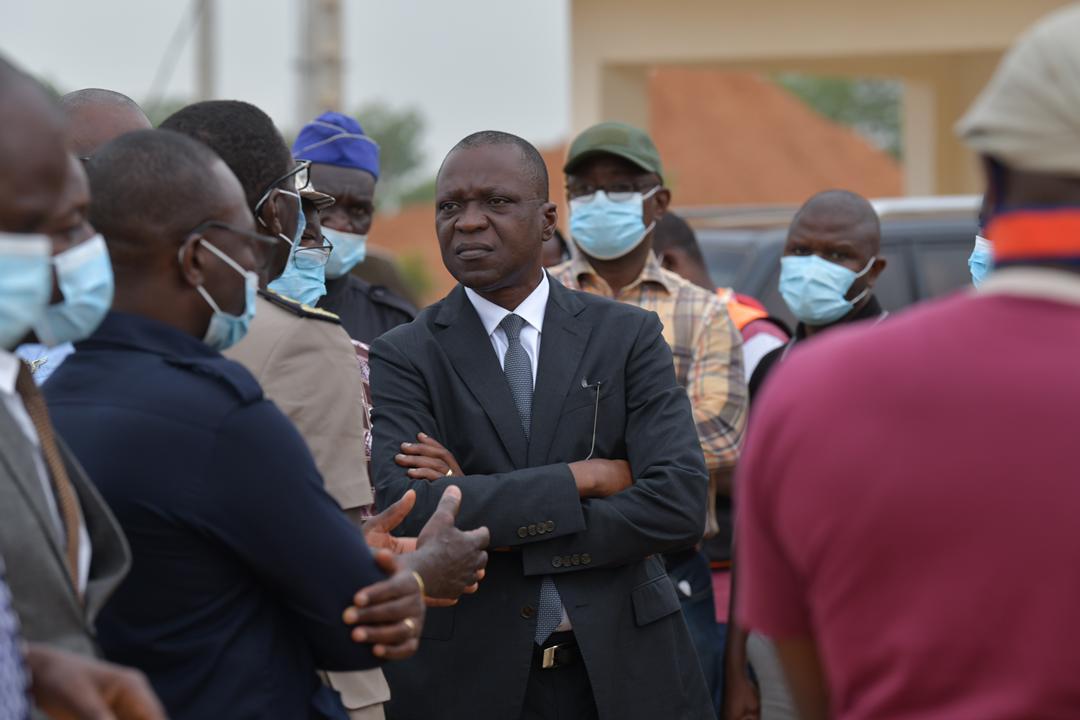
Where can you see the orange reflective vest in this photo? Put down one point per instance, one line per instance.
(741, 313)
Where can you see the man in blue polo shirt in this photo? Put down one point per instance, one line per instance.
(243, 564)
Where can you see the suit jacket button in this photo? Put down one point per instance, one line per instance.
(575, 559)
(523, 531)
(586, 558)
(541, 528)
(556, 561)
(566, 560)
(550, 525)
(532, 529)
(528, 611)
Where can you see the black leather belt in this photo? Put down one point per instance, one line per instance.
(559, 650)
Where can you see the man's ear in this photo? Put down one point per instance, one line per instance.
(876, 269)
(662, 200)
(270, 216)
(191, 261)
(669, 259)
(551, 219)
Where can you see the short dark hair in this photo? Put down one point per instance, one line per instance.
(534, 166)
(149, 188)
(674, 232)
(846, 207)
(243, 136)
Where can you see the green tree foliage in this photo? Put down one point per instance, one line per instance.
(399, 132)
(869, 105)
(159, 110)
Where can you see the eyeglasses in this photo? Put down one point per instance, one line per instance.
(309, 258)
(301, 177)
(218, 224)
(618, 192)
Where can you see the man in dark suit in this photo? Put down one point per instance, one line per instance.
(64, 551)
(577, 450)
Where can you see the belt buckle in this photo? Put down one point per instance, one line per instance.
(548, 660)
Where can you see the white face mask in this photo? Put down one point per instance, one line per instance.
(350, 249)
(606, 228)
(226, 329)
(25, 284)
(84, 274)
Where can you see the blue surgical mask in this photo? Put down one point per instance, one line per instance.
(25, 284)
(85, 277)
(605, 229)
(226, 329)
(815, 289)
(303, 279)
(981, 261)
(349, 251)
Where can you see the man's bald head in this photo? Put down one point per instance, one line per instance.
(841, 218)
(33, 160)
(95, 116)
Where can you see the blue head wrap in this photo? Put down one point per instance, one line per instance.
(336, 139)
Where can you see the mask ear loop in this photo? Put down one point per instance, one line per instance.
(866, 290)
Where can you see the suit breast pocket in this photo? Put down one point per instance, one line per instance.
(592, 418)
(601, 393)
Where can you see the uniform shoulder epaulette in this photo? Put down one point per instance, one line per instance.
(300, 309)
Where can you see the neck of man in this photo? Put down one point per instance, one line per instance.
(622, 271)
(700, 277)
(513, 295)
(856, 313)
(137, 294)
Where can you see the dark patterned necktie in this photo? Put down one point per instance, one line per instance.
(13, 678)
(518, 370)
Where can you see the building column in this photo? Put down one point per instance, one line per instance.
(936, 162)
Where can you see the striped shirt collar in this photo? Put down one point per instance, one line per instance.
(652, 272)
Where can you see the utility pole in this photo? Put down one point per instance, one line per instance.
(205, 50)
(320, 76)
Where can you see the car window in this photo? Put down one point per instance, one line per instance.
(942, 266)
(893, 288)
(725, 262)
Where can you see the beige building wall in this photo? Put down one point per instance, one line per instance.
(943, 51)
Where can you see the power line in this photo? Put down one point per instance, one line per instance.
(167, 64)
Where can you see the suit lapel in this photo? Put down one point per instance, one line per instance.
(469, 349)
(111, 557)
(16, 453)
(562, 344)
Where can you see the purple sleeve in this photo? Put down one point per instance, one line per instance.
(771, 592)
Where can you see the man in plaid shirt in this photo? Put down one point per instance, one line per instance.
(615, 188)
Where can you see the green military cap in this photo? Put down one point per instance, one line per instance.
(625, 141)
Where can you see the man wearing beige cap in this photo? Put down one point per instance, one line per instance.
(615, 188)
(908, 495)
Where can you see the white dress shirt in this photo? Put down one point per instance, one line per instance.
(9, 371)
(531, 310)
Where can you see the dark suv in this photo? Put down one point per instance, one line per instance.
(926, 241)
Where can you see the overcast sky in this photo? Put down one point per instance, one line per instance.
(465, 64)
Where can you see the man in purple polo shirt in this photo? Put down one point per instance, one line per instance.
(909, 491)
